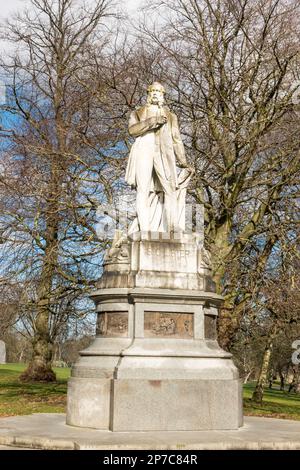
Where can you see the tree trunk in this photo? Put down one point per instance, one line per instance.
(227, 322)
(263, 373)
(282, 380)
(246, 378)
(259, 389)
(270, 382)
(272, 377)
(39, 368)
(295, 382)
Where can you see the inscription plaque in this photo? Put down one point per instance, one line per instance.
(168, 257)
(112, 324)
(168, 325)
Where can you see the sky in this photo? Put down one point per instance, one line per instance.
(9, 6)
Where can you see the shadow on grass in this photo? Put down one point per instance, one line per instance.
(11, 388)
(271, 409)
(17, 389)
(62, 373)
(19, 398)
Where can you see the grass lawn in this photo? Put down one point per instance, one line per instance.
(17, 398)
(276, 403)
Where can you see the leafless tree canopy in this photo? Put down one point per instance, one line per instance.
(231, 70)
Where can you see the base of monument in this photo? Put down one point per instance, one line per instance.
(48, 431)
(155, 405)
(155, 364)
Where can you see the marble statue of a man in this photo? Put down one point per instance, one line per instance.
(152, 168)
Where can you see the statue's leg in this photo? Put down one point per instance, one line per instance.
(144, 170)
(170, 207)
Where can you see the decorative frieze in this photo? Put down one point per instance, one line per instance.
(172, 325)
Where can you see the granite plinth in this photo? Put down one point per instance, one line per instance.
(153, 260)
(155, 364)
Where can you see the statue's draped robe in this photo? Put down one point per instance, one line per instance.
(165, 147)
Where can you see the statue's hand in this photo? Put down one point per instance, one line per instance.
(157, 122)
(161, 120)
(186, 166)
(154, 122)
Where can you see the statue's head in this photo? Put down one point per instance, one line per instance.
(156, 94)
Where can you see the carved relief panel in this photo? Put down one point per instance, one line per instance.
(112, 324)
(168, 325)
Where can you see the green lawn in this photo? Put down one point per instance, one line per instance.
(18, 398)
(276, 403)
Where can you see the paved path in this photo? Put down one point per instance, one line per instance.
(11, 448)
(49, 431)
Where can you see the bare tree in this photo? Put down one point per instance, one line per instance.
(57, 162)
(281, 301)
(231, 67)
(9, 309)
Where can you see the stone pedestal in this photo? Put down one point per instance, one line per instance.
(155, 363)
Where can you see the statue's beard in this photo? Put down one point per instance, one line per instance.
(156, 103)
